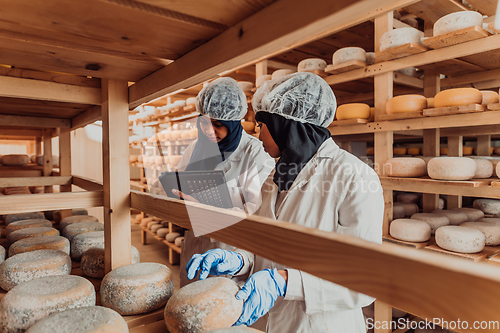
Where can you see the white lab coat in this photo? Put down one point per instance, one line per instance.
(249, 165)
(353, 206)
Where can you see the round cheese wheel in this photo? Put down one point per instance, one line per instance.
(414, 151)
(162, 232)
(9, 218)
(457, 97)
(310, 65)
(472, 213)
(203, 306)
(398, 37)
(408, 197)
(451, 168)
(31, 301)
(85, 241)
(410, 230)
(145, 221)
(399, 151)
(353, 111)
(433, 220)
(40, 243)
(92, 319)
(398, 212)
(497, 170)
(92, 262)
(76, 219)
(487, 206)
(246, 85)
(405, 167)
(280, 73)
(456, 21)
(489, 97)
(33, 265)
(406, 103)
(191, 101)
(409, 208)
(79, 228)
(152, 223)
(234, 329)
(119, 288)
(155, 227)
(172, 236)
(370, 151)
(24, 224)
(467, 150)
(460, 239)
(430, 102)
(484, 168)
(180, 102)
(443, 151)
(15, 160)
(31, 232)
(490, 230)
(455, 217)
(261, 79)
(490, 220)
(346, 54)
(2, 254)
(178, 241)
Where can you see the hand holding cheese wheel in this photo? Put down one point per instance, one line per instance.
(406, 103)
(353, 111)
(457, 97)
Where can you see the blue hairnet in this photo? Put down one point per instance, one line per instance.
(303, 97)
(222, 99)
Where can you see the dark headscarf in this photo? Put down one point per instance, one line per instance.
(297, 142)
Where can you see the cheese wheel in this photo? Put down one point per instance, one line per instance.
(191, 101)
(497, 170)
(398, 212)
(172, 236)
(415, 151)
(346, 54)
(234, 329)
(55, 160)
(408, 198)
(280, 73)
(24, 224)
(353, 111)
(484, 168)
(370, 58)
(370, 151)
(246, 85)
(162, 232)
(490, 220)
(85, 241)
(460, 239)
(40, 243)
(203, 305)
(491, 231)
(180, 102)
(405, 103)
(152, 223)
(31, 301)
(451, 168)
(119, 288)
(261, 79)
(405, 167)
(433, 220)
(487, 206)
(410, 230)
(33, 265)
(76, 219)
(489, 97)
(145, 221)
(15, 160)
(92, 262)
(92, 319)
(31, 232)
(79, 228)
(455, 217)
(399, 151)
(410, 71)
(467, 150)
(457, 97)
(9, 218)
(430, 102)
(398, 37)
(178, 241)
(409, 208)
(310, 65)
(155, 227)
(456, 21)
(472, 213)
(443, 151)
(2, 254)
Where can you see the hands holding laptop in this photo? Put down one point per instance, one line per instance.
(183, 196)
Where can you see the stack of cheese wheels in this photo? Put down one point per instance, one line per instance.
(33, 265)
(433, 220)
(488, 206)
(409, 208)
(353, 111)
(456, 21)
(408, 197)
(15, 160)
(406, 103)
(473, 214)
(24, 224)
(410, 230)
(490, 230)
(346, 54)
(78, 321)
(76, 219)
(261, 79)
(398, 37)
(246, 86)
(31, 301)
(9, 218)
(311, 65)
(405, 167)
(92, 261)
(455, 217)
(484, 168)
(460, 239)
(119, 288)
(40, 243)
(451, 168)
(280, 73)
(85, 241)
(203, 306)
(489, 97)
(31, 232)
(457, 97)
(79, 228)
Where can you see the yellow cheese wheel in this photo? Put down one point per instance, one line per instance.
(489, 97)
(467, 150)
(457, 97)
(370, 151)
(399, 151)
(413, 151)
(353, 111)
(443, 151)
(406, 103)
(430, 102)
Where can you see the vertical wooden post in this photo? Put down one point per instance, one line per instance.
(383, 143)
(116, 174)
(455, 148)
(484, 145)
(47, 156)
(38, 146)
(30, 147)
(65, 162)
(261, 68)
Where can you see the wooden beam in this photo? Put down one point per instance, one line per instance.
(280, 26)
(51, 77)
(87, 183)
(20, 173)
(35, 181)
(471, 131)
(492, 74)
(396, 275)
(455, 148)
(261, 68)
(406, 80)
(38, 144)
(48, 91)
(20, 133)
(47, 157)
(115, 151)
(88, 117)
(50, 201)
(65, 163)
(280, 65)
(25, 121)
(431, 138)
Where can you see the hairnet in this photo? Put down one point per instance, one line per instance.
(222, 99)
(303, 97)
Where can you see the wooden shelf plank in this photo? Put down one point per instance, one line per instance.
(348, 122)
(344, 67)
(403, 115)
(453, 67)
(34, 181)
(453, 110)
(470, 256)
(399, 52)
(456, 37)
(390, 239)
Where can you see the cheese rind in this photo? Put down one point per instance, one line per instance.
(398, 37)
(433, 220)
(76, 219)
(409, 208)
(451, 168)
(346, 54)
(9, 218)
(353, 111)
(15, 160)
(489, 97)
(487, 206)
(79, 228)
(410, 230)
(472, 213)
(31, 232)
(490, 230)
(74, 212)
(310, 65)
(456, 21)
(2, 254)
(406, 103)
(405, 167)
(24, 224)
(408, 197)
(83, 242)
(460, 239)
(457, 97)
(455, 217)
(484, 168)
(40, 243)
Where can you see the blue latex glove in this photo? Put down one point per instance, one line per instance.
(214, 262)
(260, 292)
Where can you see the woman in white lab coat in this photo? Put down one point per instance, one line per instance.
(222, 144)
(315, 184)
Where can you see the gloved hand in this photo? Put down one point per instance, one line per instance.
(260, 292)
(214, 262)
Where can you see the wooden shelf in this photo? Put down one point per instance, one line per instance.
(399, 52)
(170, 245)
(453, 110)
(456, 37)
(390, 239)
(344, 67)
